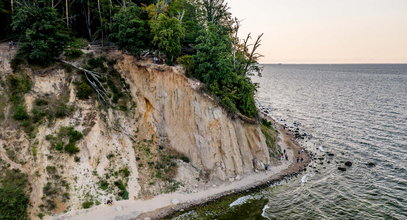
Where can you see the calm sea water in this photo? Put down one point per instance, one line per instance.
(356, 112)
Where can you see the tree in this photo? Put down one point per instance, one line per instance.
(216, 11)
(167, 34)
(214, 66)
(129, 31)
(187, 12)
(41, 32)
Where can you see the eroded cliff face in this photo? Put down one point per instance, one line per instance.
(191, 122)
(129, 150)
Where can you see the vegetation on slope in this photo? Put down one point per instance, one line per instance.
(13, 195)
(201, 33)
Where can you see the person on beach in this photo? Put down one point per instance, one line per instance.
(9, 45)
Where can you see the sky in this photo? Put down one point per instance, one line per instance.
(326, 31)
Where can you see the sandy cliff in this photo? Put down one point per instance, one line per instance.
(191, 122)
(131, 152)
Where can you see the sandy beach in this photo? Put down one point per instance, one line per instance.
(167, 204)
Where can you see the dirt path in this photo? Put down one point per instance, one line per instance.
(163, 205)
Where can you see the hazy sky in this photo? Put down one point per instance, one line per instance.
(327, 31)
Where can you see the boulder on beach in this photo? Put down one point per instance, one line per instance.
(258, 164)
(342, 168)
(348, 163)
(371, 164)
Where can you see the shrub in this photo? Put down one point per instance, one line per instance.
(20, 113)
(71, 148)
(73, 53)
(187, 62)
(41, 102)
(62, 110)
(87, 204)
(104, 185)
(185, 159)
(13, 197)
(78, 43)
(83, 90)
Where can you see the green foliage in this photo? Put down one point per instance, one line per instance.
(129, 31)
(20, 113)
(84, 91)
(73, 53)
(87, 204)
(271, 136)
(71, 148)
(167, 35)
(78, 43)
(42, 34)
(187, 62)
(190, 20)
(185, 159)
(214, 66)
(65, 140)
(13, 195)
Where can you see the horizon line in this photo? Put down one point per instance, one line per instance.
(323, 63)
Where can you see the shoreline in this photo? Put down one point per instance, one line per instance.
(287, 136)
(166, 205)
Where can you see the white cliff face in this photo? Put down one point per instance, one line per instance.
(191, 122)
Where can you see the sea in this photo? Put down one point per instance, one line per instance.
(353, 113)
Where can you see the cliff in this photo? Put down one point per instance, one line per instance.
(159, 133)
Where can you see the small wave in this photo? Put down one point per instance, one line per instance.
(264, 211)
(242, 200)
(321, 149)
(306, 177)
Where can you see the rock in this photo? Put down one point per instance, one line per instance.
(175, 201)
(258, 165)
(348, 163)
(320, 158)
(342, 168)
(330, 154)
(371, 164)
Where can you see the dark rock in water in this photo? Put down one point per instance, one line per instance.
(371, 164)
(342, 168)
(320, 158)
(322, 163)
(330, 154)
(266, 112)
(329, 162)
(348, 163)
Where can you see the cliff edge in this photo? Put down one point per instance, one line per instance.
(156, 133)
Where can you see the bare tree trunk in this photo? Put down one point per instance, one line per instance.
(101, 22)
(88, 21)
(67, 13)
(12, 6)
(235, 42)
